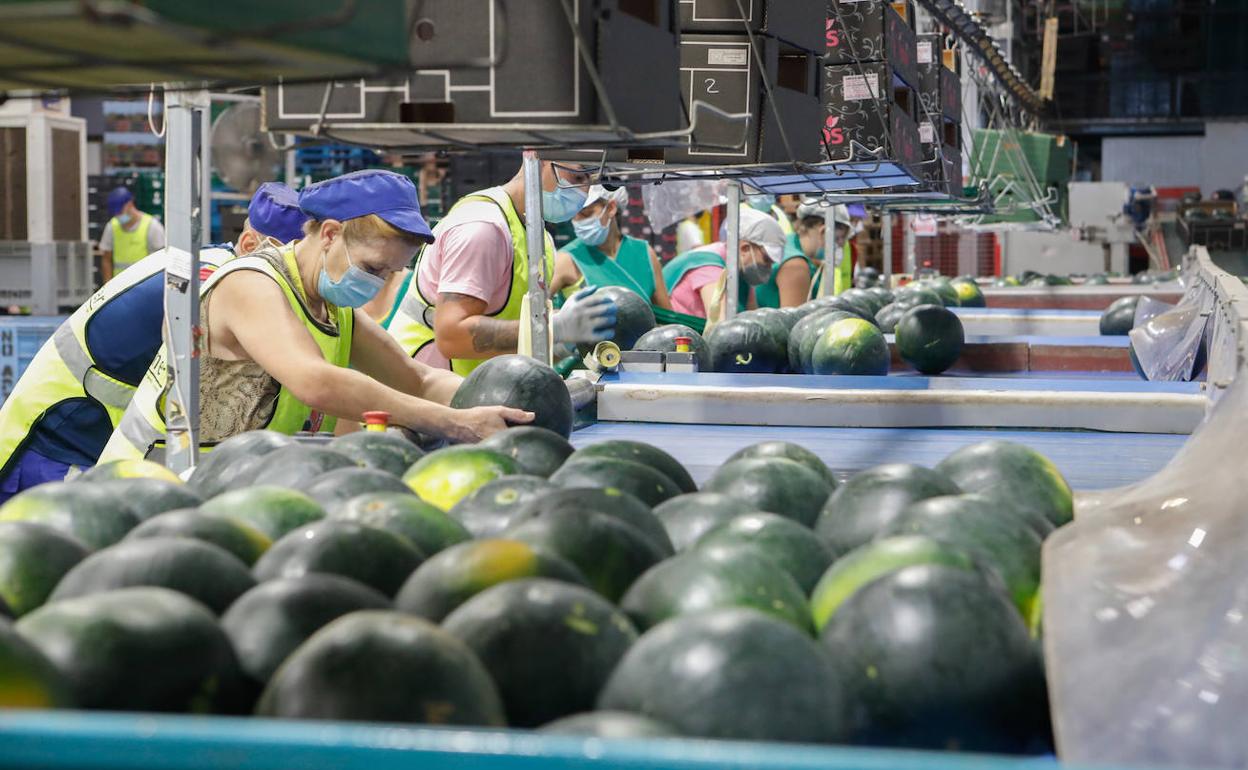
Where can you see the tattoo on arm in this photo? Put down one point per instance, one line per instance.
(489, 335)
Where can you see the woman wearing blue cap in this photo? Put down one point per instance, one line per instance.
(67, 403)
(283, 344)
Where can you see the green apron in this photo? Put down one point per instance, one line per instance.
(768, 294)
(629, 269)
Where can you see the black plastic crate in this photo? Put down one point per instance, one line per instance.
(870, 104)
(872, 31)
(797, 22)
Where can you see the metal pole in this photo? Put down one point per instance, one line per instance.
(886, 239)
(535, 241)
(910, 259)
(732, 252)
(184, 219)
(832, 254)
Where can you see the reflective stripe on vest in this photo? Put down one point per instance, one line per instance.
(143, 425)
(129, 246)
(782, 219)
(413, 324)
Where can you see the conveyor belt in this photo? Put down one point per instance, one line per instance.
(1039, 321)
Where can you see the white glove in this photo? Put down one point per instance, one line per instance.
(585, 318)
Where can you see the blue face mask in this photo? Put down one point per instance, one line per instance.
(562, 204)
(760, 202)
(125, 218)
(354, 289)
(591, 230)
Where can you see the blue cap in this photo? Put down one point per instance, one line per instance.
(389, 195)
(274, 211)
(857, 210)
(117, 200)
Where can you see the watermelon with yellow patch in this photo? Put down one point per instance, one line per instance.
(28, 680)
(446, 476)
(130, 469)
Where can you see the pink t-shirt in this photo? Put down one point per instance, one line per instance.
(686, 295)
(471, 255)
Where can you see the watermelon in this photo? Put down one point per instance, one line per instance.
(523, 383)
(274, 511)
(33, 559)
(138, 649)
(929, 338)
(945, 289)
(789, 545)
(378, 666)
(645, 454)
(231, 463)
(495, 507)
(633, 316)
(270, 621)
(866, 277)
(569, 639)
(242, 541)
(705, 579)
(1098, 279)
(936, 657)
(1005, 282)
(536, 451)
(888, 317)
(608, 502)
(28, 680)
(736, 674)
(609, 552)
(380, 450)
(129, 469)
(298, 466)
(337, 487)
(912, 296)
(863, 299)
(870, 562)
(777, 323)
(969, 293)
(663, 339)
(850, 346)
(744, 345)
(89, 514)
(447, 476)
(148, 497)
(882, 295)
(609, 724)
(688, 517)
(462, 571)
(1015, 474)
(774, 485)
(603, 472)
(858, 308)
(806, 334)
(379, 559)
(198, 569)
(789, 450)
(1119, 318)
(419, 523)
(976, 525)
(865, 504)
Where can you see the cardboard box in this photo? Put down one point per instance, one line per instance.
(940, 88)
(872, 31)
(799, 23)
(869, 104)
(475, 64)
(723, 71)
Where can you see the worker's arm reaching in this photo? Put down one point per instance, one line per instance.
(378, 355)
(463, 331)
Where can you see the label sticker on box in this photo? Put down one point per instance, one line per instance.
(927, 133)
(859, 87)
(728, 57)
(924, 51)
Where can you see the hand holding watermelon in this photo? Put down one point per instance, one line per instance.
(468, 426)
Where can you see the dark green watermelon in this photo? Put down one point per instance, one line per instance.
(297, 467)
(198, 569)
(499, 505)
(969, 293)
(536, 451)
(929, 338)
(859, 308)
(380, 450)
(736, 674)
(789, 545)
(523, 383)
(663, 339)
(913, 296)
(774, 485)
(609, 724)
(945, 288)
(462, 571)
(84, 511)
(242, 541)
(937, 658)
(743, 345)
(865, 504)
(633, 315)
(568, 638)
(423, 525)
(705, 579)
(268, 622)
(337, 487)
(603, 472)
(1097, 279)
(806, 334)
(850, 346)
(888, 317)
(608, 502)
(28, 680)
(379, 559)
(150, 497)
(864, 299)
(645, 454)
(1015, 474)
(688, 517)
(272, 510)
(232, 463)
(33, 559)
(884, 296)
(377, 666)
(788, 450)
(777, 322)
(1119, 318)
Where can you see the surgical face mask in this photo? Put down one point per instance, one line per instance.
(756, 273)
(760, 202)
(562, 204)
(354, 289)
(125, 218)
(591, 230)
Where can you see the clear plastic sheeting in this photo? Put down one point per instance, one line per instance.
(1170, 346)
(1149, 308)
(667, 204)
(1146, 593)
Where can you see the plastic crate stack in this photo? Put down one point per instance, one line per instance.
(20, 338)
(316, 161)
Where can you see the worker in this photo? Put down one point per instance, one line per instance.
(284, 345)
(842, 263)
(463, 302)
(603, 256)
(696, 279)
(766, 203)
(67, 403)
(129, 236)
(793, 276)
(689, 234)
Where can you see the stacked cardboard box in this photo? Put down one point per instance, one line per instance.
(940, 113)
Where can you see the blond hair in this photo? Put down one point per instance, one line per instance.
(369, 227)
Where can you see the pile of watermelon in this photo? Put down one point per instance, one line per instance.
(519, 582)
